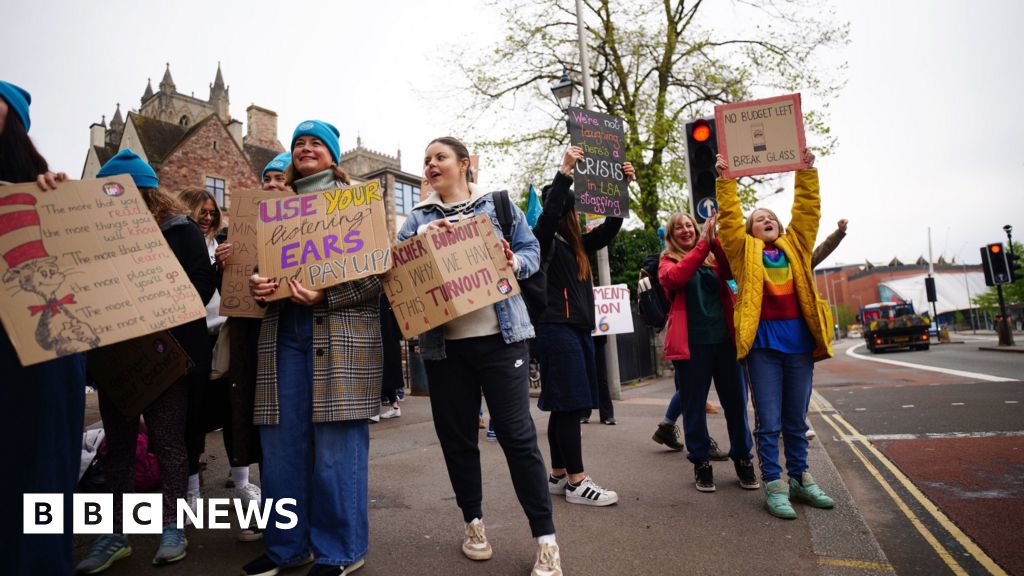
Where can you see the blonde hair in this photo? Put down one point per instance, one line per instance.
(750, 220)
(672, 248)
(194, 199)
(161, 204)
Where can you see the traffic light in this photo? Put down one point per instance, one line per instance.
(701, 148)
(996, 265)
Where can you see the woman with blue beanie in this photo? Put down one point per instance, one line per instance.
(45, 402)
(167, 415)
(318, 382)
(273, 173)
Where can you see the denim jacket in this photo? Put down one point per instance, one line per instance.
(512, 315)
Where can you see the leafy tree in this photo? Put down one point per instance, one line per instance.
(627, 252)
(657, 65)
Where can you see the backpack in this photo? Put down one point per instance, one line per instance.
(653, 303)
(534, 288)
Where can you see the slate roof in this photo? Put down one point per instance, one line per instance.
(259, 157)
(158, 138)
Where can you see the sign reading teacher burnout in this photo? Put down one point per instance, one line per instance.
(598, 178)
(324, 238)
(86, 266)
(761, 136)
(235, 299)
(438, 276)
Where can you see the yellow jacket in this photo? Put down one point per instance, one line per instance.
(797, 243)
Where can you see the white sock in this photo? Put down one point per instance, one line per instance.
(193, 483)
(476, 520)
(547, 539)
(240, 475)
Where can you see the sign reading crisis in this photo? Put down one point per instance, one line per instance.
(324, 238)
(599, 180)
(85, 266)
(761, 136)
(612, 313)
(235, 299)
(438, 276)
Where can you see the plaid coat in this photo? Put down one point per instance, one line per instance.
(347, 360)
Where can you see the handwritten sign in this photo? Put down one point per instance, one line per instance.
(598, 179)
(439, 276)
(324, 238)
(235, 299)
(136, 372)
(611, 310)
(761, 136)
(86, 266)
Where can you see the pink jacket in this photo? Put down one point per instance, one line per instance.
(673, 276)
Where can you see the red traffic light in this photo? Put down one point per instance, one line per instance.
(995, 248)
(701, 132)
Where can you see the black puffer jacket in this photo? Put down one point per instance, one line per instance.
(570, 300)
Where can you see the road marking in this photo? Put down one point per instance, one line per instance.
(860, 409)
(1010, 401)
(932, 436)
(907, 406)
(861, 564)
(968, 545)
(958, 403)
(964, 374)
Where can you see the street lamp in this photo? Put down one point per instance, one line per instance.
(566, 91)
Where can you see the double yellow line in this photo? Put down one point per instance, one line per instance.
(835, 420)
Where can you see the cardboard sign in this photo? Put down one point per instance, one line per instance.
(612, 313)
(761, 136)
(439, 276)
(325, 238)
(85, 266)
(135, 372)
(235, 299)
(599, 181)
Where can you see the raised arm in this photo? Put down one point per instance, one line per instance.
(731, 228)
(803, 225)
(826, 248)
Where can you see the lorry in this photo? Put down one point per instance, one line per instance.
(890, 325)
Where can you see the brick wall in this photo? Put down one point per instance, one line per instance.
(196, 158)
(262, 129)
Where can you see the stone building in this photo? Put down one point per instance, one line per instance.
(190, 142)
(403, 188)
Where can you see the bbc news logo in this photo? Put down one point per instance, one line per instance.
(144, 513)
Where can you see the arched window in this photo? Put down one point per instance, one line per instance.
(183, 121)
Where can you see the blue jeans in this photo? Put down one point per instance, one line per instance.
(675, 407)
(322, 466)
(780, 386)
(693, 380)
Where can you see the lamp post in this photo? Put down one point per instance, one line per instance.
(835, 304)
(1007, 315)
(565, 92)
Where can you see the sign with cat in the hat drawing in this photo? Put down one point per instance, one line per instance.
(85, 266)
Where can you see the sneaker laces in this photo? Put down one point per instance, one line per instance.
(171, 536)
(593, 485)
(475, 533)
(547, 556)
(107, 545)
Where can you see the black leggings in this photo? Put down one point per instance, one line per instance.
(565, 442)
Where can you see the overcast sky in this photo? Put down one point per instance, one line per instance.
(930, 124)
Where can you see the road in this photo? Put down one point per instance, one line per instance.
(931, 446)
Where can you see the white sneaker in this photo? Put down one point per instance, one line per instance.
(557, 485)
(475, 545)
(375, 418)
(589, 494)
(391, 412)
(249, 493)
(191, 497)
(810, 434)
(548, 562)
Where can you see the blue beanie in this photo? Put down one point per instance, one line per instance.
(325, 132)
(128, 162)
(278, 164)
(18, 100)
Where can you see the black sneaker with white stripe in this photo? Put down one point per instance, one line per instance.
(589, 494)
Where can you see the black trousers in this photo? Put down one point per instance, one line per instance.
(565, 442)
(607, 410)
(501, 372)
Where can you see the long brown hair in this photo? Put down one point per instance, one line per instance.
(569, 226)
(19, 159)
(161, 204)
(194, 199)
(672, 248)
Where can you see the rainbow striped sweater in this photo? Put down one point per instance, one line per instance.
(781, 327)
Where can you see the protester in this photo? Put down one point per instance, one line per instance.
(45, 402)
(782, 327)
(699, 341)
(821, 252)
(391, 343)
(569, 383)
(485, 350)
(273, 173)
(319, 381)
(166, 417)
(606, 411)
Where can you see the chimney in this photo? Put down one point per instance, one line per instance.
(235, 128)
(262, 128)
(97, 135)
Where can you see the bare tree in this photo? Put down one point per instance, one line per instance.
(655, 63)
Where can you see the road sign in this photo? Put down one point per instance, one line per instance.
(706, 208)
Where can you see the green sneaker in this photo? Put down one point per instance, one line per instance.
(106, 550)
(808, 492)
(776, 499)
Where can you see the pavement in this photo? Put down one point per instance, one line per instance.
(661, 525)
